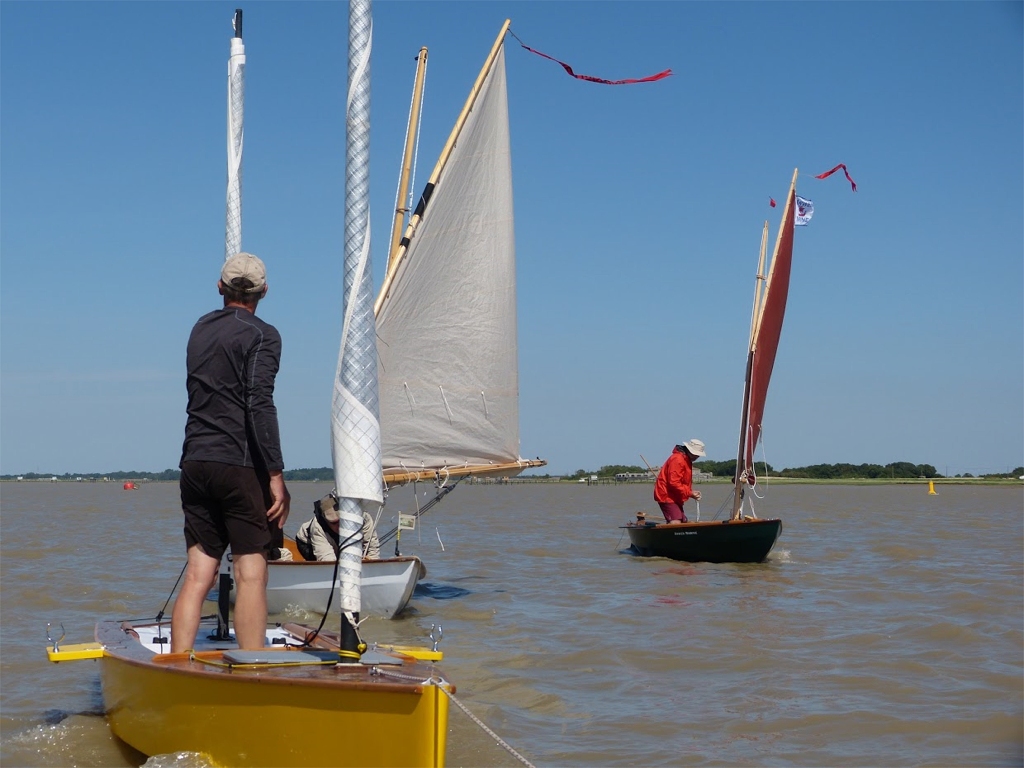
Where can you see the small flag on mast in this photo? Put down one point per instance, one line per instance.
(804, 211)
(771, 201)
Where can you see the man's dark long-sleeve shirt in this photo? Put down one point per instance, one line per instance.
(232, 360)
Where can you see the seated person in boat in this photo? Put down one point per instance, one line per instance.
(318, 539)
(675, 481)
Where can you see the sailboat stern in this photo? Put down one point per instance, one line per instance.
(273, 715)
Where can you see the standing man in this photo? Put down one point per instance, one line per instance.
(232, 482)
(675, 481)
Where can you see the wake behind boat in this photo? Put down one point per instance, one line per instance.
(742, 538)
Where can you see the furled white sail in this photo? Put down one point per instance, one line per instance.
(355, 429)
(236, 136)
(446, 330)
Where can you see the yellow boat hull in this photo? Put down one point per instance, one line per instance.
(335, 715)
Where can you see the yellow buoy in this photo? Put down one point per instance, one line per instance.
(931, 488)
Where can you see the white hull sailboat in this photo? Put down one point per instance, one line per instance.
(308, 697)
(387, 585)
(743, 538)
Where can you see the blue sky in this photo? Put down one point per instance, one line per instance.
(638, 219)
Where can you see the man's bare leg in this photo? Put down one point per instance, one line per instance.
(199, 576)
(251, 601)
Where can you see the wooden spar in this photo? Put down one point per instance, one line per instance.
(417, 216)
(758, 287)
(400, 476)
(410, 145)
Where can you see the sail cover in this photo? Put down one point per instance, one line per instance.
(769, 327)
(446, 333)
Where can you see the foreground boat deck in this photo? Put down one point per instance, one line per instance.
(386, 709)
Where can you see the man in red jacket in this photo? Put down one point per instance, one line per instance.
(675, 481)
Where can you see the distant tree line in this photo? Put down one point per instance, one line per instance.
(899, 470)
(167, 476)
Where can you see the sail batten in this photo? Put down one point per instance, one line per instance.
(446, 324)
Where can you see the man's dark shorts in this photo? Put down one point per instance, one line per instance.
(224, 505)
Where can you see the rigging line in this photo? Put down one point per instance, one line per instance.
(445, 687)
(617, 543)
(727, 502)
(500, 741)
(330, 595)
(160, 615)
(764, 460)
(420, 511)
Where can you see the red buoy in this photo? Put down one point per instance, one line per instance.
(129, 486)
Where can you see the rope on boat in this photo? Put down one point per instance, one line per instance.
(441, 684)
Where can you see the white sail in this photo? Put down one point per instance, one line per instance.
(236, 136)
(446, 330)
(355, 429)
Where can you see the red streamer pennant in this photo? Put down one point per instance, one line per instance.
(771, 201)
(567, 68)
(826, 174)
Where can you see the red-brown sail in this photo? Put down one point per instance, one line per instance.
(769, 326)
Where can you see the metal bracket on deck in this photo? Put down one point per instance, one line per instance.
(440, 634)
(49, 638)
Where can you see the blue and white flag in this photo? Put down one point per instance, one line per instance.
(804, 211)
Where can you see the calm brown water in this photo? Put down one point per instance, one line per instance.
(887, 627)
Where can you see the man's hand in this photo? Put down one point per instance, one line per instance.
(278, 511)
(696, 495)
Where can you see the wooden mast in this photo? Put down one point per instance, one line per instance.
(410, 145)
(759, 284)
(428, 190)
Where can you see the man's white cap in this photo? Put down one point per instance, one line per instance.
(244, 266)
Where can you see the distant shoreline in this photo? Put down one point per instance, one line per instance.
(530, 480)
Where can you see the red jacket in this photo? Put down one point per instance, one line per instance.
(675, 481)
